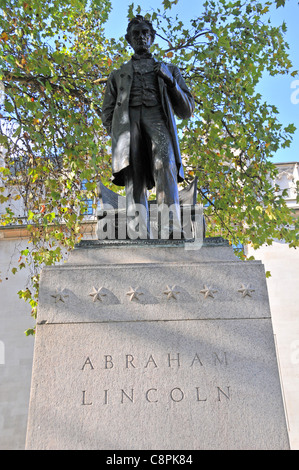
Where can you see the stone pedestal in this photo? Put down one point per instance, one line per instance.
(155, 346)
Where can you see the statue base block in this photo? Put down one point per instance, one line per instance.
(155, 346)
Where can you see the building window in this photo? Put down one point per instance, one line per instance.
(89, 202)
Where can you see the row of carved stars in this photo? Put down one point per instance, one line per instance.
(172, 292)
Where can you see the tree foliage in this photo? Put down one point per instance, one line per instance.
(55, 59)
(281, 3)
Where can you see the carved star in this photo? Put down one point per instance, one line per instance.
(59, 296)
(246, 290)
(135, 293)
(171, 292)
(97, 294)
(208, 291)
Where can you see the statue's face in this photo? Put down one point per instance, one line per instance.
(140, 38)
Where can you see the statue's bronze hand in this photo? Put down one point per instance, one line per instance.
(162, 70)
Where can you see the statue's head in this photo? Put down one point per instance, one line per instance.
(140, 34)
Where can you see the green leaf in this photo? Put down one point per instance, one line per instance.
(291, 128)
(280, 3)
(30, 332)
(8, 106)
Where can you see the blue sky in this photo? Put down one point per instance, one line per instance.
(275, 90)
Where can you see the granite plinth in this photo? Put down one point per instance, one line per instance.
(155, 347)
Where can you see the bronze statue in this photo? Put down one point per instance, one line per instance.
(140, 101)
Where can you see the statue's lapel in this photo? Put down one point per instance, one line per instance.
(127, 69)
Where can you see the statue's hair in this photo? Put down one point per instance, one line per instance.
(137, 20)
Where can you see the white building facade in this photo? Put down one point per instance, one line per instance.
(283, 289)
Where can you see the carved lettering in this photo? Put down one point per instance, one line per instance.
(123, 393)
(150, 360)
(129, 360)
(87, 362)
(174, 359)
(198, 395)
(220, 361)
(196, 359)
(147, 395)
(84, 399)
(176, 394)
(155, 395)
(158, 394)
(169, 360)
(108, 362)
(220, 391)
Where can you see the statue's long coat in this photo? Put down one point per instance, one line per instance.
(115, 116)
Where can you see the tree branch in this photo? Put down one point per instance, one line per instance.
(76, 92)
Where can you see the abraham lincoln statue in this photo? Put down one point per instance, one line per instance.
(140, 102)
